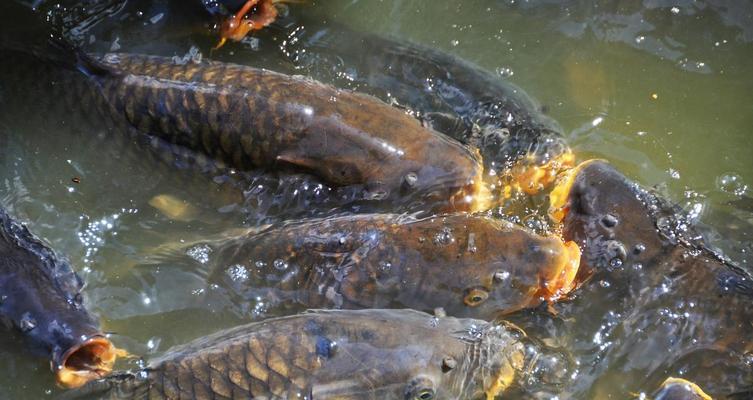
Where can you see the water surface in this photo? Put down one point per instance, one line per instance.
(661, 89)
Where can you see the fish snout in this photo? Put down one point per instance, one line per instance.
(79, 351)
(606, 214)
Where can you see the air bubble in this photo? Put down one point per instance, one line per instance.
(444, 237)
(732, 184)
(280, 264)
(200, 253)
(385, 266)
(237, 273)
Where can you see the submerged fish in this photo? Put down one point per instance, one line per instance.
(40, 297)
(452, 95)
(687, 308)
(465, 264)
(368, 354)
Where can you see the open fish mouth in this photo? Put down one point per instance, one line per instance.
(561, 280)
(90, 360)
(559, 198)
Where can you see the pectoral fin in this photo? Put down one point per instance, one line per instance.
(298, 160)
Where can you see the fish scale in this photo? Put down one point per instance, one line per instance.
(251, 119)
(470, 265)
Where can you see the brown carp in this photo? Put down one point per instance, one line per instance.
(468, 265)
(248, 119)
(686, 307)
(239, 118)
(524, 147)
(40, 296)
(343, 355)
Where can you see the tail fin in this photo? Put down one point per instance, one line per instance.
(27, 32)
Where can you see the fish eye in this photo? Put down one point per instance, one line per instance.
(420, 388)
(475, 297)
(425, 394)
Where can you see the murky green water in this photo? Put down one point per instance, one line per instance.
(661, 89)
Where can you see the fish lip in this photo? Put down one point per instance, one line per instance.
(688, 386)
(91, 359)
(562, 279)
(560, 198)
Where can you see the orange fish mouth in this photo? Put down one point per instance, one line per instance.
(90, 360)
(254, 15)
(532, 179)
(561, 280)
(559, 198)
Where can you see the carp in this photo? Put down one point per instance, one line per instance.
(524, 147)
(230, 117)
(342, 354)
(467, 265)
(40, 297)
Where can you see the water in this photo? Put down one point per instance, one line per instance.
(661, 89)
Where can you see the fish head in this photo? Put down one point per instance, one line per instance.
(450, 178)
(485, 365)
(610, 217)
(40, 296)
(406, 354)
(431, 169)
(481, 267)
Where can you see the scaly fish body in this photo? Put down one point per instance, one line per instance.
(249, 118)
(369, 354)
(468, 265)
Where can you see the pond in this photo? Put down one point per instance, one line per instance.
(659, 89)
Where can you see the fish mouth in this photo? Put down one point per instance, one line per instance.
(688, 388)
(559, 198)
(561, 280)
(473, 197)
(527, 177)
(531, 178)
(90, 360)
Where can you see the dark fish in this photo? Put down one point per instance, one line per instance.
(679, 389)
(688, 307)
(466, 264)
(40, 296)
(454, 96)
(368, 354)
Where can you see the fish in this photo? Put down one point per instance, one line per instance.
(467, 265)
(174, 208)
(41, 299)
(336, 354)
(686, 305)
(526, 148)
(219, 116)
